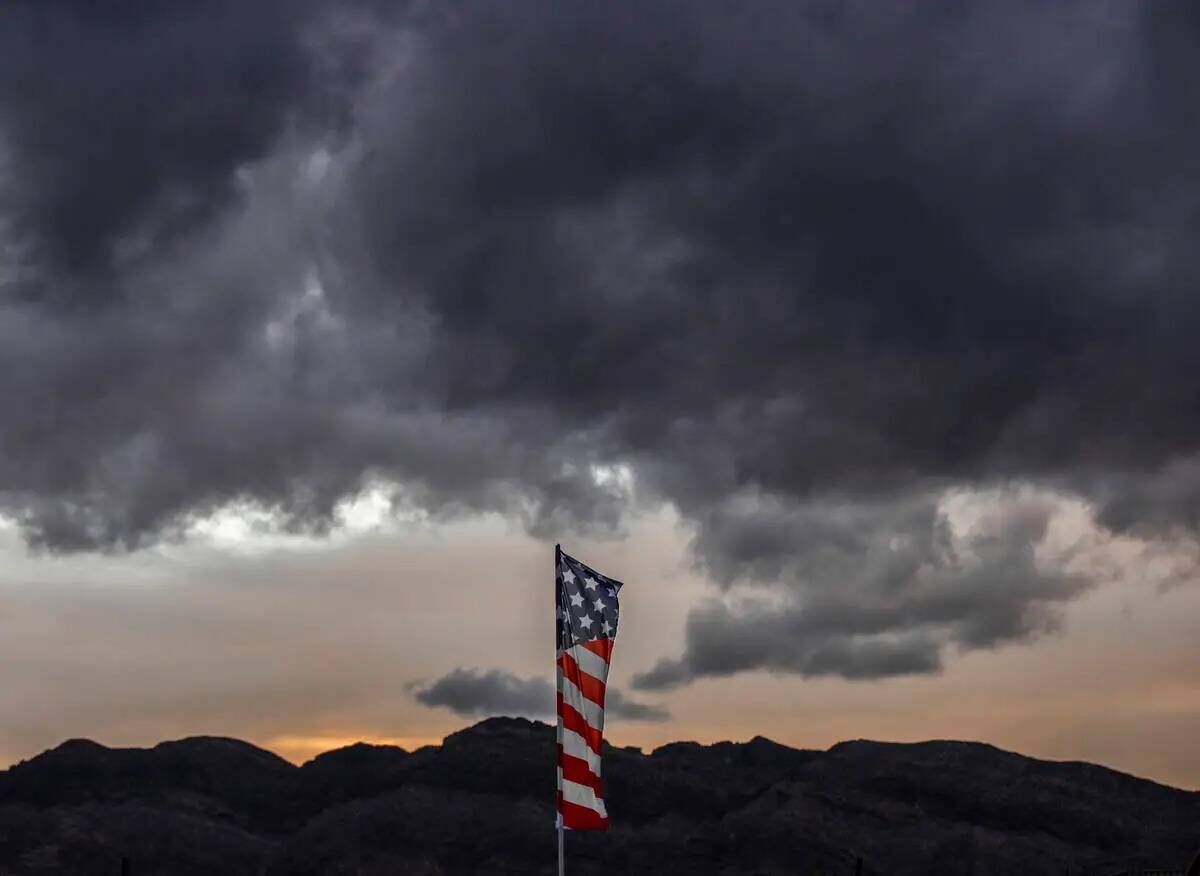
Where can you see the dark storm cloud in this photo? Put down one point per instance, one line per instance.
(473, 692)
(126, 122)
(817, 255)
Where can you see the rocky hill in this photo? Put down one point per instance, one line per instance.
(480, 804)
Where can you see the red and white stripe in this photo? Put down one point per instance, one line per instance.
(582, 675)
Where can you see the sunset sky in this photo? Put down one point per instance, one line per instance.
(859, 340)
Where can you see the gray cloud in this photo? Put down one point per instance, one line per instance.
(824, 255)
(869, 591)
(474, 692)
(624, 709)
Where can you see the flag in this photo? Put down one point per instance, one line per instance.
(586, 609)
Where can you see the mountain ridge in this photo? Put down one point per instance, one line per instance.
(480, 803)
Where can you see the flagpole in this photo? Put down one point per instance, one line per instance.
(558, 820)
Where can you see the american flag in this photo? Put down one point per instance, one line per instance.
(586, 607)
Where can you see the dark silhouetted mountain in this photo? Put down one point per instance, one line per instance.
(481, 804)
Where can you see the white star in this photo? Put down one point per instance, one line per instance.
(589, 582)
(569, 576)
(576, 599)
(585, 622)
(612, 591)
(598, 605)
(606, 628)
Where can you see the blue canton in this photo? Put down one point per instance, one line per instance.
(585, 601)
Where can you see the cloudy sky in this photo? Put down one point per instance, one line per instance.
(859, 340)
